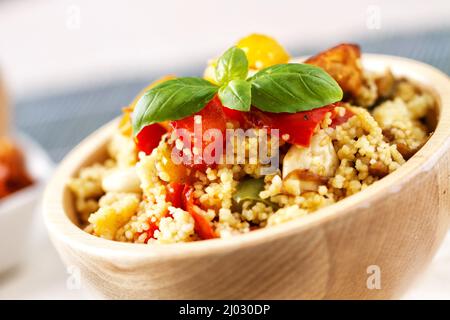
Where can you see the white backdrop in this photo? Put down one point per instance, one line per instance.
(48, 43)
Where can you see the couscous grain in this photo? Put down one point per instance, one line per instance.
(376, 128)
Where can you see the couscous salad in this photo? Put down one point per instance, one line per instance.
(256, 142)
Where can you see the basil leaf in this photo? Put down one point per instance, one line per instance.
(293, 87)
(172, 100)
(237, 94)
(232, 65)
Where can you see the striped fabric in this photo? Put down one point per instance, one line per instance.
(59, 121)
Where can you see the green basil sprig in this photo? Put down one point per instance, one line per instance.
(236, 94)
(231, 74)
(293, 87)
(288, 88)
(232, 65)
(172, 100)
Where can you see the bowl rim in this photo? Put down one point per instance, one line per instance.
(62, 229)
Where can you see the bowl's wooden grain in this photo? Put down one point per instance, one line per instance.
(396, 224)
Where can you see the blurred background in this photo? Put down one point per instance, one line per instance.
(70, 65)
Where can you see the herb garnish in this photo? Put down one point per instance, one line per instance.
(290, 88)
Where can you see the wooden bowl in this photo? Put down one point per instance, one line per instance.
(370, 245)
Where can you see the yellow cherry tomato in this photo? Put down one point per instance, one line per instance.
(262, 51)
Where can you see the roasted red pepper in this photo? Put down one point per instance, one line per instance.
(174, 194)
(213, 117)
(149, 137)
(151, 230)
(182, 196)
(298, 126)
(235, 116)
(202, 227)
(338, 120)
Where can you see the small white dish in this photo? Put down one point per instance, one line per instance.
(16, 210)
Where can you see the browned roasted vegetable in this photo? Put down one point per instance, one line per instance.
(385, 84)
(13, 174)
(343, 64)
(405, 150)
(379, 169)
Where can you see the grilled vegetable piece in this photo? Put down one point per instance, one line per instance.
(203, 227)
(343, 64)
(248, 190)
